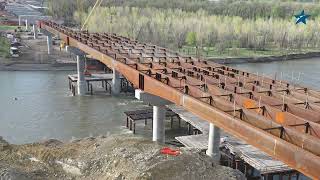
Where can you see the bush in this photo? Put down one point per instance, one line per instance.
(4, 47)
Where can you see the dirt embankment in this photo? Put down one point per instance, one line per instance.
(116, 157)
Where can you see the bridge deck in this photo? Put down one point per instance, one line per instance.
(279, 118)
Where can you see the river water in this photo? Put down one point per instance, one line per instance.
(45, 108)
(305, 72)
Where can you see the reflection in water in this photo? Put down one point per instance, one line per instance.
(45, 109)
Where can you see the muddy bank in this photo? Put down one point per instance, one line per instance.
(115, 157)
(266, 58)
(38, 67)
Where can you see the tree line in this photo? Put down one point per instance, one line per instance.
(245, 9)
(177, 28)
(242, 8)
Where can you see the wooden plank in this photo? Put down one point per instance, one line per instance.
(256, 158)
(199, 142)
(189, 117)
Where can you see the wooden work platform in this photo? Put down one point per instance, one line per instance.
(199, 142)
(93, 77)
(104, 78)
(256, 158)
(190, 118)
(146, 114)
(262, 162)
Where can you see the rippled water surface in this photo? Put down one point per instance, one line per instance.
(45, 109)
(309, 70)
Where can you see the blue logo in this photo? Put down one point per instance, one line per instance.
(302, 17)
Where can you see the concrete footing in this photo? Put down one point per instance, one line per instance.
(81, 79)
(214, 142)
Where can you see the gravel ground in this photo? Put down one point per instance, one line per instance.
(115, 157)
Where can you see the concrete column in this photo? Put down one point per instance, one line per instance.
(81, 77)
(67, 49)
(214, 142)
(27, 25)
(116, 83)
(158, 129)
(49, 43)
(159, 113)
(35, 32)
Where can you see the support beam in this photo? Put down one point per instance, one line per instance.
(49, 43)
(214, 142)
(81, 77)
(116, 83)
(35, 32)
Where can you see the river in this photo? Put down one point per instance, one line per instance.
(44, 107)
(305, 72)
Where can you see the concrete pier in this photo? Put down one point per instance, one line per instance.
(214, 142)
(35, 32)
(49, 43)
(27, 25)
(81, 77)
(116, 83)
(159, 113)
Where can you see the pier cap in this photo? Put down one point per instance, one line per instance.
(152, 99)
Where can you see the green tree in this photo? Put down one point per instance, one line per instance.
(191, 39)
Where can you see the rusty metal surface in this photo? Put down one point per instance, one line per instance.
(236, 101)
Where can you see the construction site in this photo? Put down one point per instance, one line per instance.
(264, 127)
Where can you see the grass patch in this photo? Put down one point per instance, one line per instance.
(212, 52)
(6, 28)
(4, 47)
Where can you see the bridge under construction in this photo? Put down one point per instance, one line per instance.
(279, 118)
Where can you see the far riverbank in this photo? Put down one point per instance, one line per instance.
(264, 59)
(38, 67)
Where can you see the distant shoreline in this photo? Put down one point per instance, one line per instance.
(244, 60)
(15, 66)
(38, 67)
